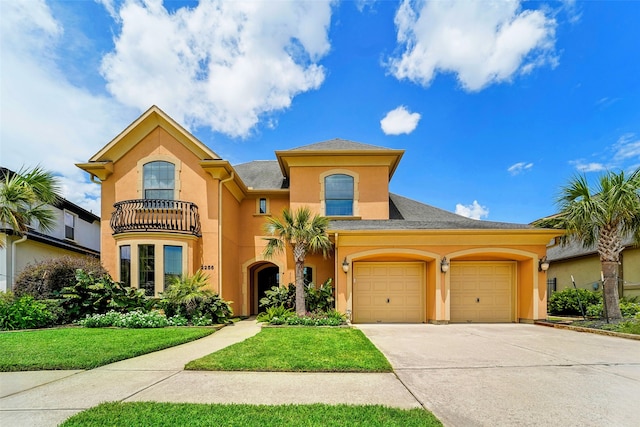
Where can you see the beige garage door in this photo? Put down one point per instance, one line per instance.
(482, 291)
(388, 292)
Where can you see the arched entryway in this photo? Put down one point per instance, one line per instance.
(263, 276)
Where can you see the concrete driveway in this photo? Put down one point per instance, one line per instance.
(515, 374)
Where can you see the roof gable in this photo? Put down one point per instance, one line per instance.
(144, 125)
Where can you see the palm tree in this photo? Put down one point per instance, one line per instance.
(185, 293)
(25, 199)
(305, 234)
(602, 217)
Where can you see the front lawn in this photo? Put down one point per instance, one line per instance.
(82, 348)
(183, 414)
(298, 349)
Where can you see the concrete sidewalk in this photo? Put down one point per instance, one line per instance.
(46, 398)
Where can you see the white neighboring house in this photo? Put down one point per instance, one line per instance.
(76, 232)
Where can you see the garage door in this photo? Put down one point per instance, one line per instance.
(388, 292)
(482, 291)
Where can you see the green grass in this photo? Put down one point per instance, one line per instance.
(298, 349)
(83, 348)
(182, 414)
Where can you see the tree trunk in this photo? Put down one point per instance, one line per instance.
(299, 254)
(300, 302)
(611, 297)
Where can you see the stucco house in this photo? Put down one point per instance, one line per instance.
(76, 233)
(171, 206)
(584, 265)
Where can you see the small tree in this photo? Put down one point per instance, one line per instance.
(305, 234)
(603, 217)
(25, 197)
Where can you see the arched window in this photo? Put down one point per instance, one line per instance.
(159, 180)
(338, 195)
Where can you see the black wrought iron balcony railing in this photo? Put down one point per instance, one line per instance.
(155, 215)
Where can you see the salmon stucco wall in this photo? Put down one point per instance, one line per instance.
(231, 223)
(193, 184)
(371, 195)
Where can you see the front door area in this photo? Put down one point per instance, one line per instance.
(263, 277)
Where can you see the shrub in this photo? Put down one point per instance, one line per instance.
(279, 296)
(24, 312)
(98, 295)
(320, 298)
(281, 316)
(101, 320)
(628, 308)
(187, 297)
(45, 279)
(177, 321)
(275, 313)
(138, 319)
(566, 301)
(133, 319)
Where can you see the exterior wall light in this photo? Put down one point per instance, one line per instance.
(345, 265)
(444, 265)
(544, 264)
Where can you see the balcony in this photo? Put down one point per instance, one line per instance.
(155, 215)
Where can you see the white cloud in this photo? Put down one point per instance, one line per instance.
(221, 64)
(399, 121)
(623, 154)
(627, 148)
(519, 168)
(473, 211)
(45, 119)
(482, 42)
(583, 166)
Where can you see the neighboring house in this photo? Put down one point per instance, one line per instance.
(584, 265)
(171, 206)
(77, 232)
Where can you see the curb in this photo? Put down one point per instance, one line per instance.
(588, 330)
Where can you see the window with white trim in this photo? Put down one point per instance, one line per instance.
(69, 225)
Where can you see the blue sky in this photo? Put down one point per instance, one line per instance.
(497, 104)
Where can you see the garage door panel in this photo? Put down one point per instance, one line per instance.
(388, 292)
(482, 291)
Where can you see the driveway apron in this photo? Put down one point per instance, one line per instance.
(514, 374)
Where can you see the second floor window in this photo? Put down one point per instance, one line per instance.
(69, 226)
(159, 180)
(338, 195)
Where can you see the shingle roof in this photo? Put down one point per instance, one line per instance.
(407, 214)
(574, 249)
(262, 175)
(338, 144)
(404, 213)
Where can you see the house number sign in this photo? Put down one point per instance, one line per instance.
(206, 267)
